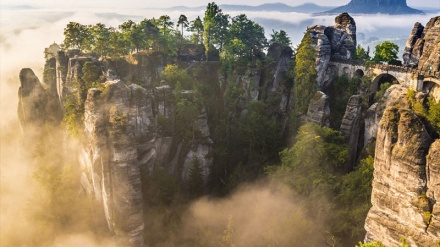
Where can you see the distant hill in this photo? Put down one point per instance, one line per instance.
(275, 7)
(18, 7)
(391, 7)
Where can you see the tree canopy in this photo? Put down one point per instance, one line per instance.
(386, 52)
(279, 37)
(305, 75)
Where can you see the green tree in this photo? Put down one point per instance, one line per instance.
(196, 26)
(305, 75)
(383, 88)
(433, 115)
(76, 35)
(227, 239)
(195, 179)
(174, 75)
(183, 23)
(151, 32)
(386, 52)
(118, 45)
(279, 38)
(220, 30)
(165, 24)
(261, 135)
(341, 89)
(133, 35)
(354, 201)
(249, 33)
(100, 39)
(371, 244)
(186, 114)
(362, 54)
(317, 155)
(91, 73)
(212, 10)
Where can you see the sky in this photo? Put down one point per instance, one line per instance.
(169, 3)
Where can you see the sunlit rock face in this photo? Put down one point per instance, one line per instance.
(402, 199)
(422, 48)
(124, 143)
(128, 131)
(394, 96)
(335, 43)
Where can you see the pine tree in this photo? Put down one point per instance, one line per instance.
(305, 75)
(195, 180)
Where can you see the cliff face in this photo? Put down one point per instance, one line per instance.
(392, 7)
(335, 43)
(422, 48)
(402, 203)
(129, 131)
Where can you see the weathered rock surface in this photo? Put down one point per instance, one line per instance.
(351, 126)
(393, 97)
(319, 109)
(399, 181)
(125, 142)
(414, 46)
(423, 46)
(392, 7)
(336, 43)
(35, 104)
(277, 83)
(433, 184)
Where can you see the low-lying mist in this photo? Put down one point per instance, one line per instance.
(42, 203)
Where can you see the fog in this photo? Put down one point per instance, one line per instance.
(252, 215)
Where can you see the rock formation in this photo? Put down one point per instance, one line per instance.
(319, 109)
(393, 97)
(433, 184)
(128, 132)
(351, 125)
(34, 101)
(422, 49)
(336, 43)
(403, 184)
(391, 7)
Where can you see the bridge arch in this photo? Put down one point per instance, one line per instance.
(431, 80)
(381, 79)
(359, 73)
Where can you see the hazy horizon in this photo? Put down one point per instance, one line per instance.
(172, 3)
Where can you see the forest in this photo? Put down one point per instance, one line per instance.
(254, 142)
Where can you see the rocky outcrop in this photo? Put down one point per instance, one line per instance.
(391, 7)
(336, 43)
(433, 184)
(351, 126)
(277, 83)
(323, 49)
(393, 97)
(110, 159)
(36, 107)
(129, 132)
(422, 49)
(400, 205)
(319, 109)
(414, 46)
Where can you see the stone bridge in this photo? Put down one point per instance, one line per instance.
(413, 78)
